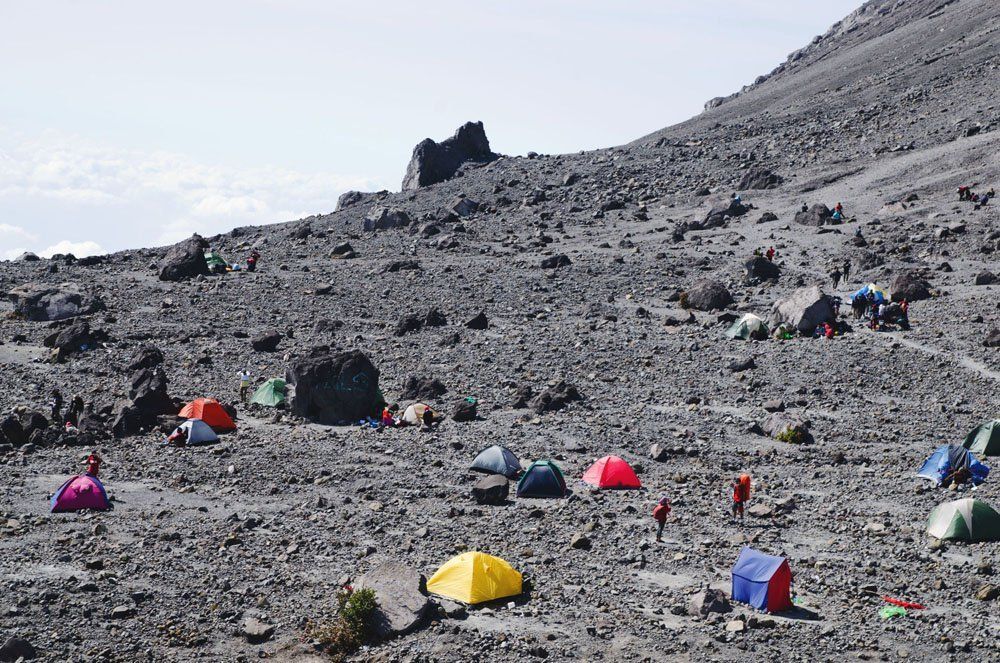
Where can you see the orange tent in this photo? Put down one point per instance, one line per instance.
(211, 412)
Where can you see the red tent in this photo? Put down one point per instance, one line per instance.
(211, 412)
(611, 472)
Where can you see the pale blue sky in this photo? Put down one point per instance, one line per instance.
(126, 124)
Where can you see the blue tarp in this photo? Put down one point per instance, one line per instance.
(879, 294)
(948, 458)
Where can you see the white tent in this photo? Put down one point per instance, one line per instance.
(198, 432)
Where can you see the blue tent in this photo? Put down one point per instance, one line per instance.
(949, 458)
(543, 479)
(763, 581)
(497, 460)
(881, 296)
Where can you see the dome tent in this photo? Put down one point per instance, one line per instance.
(414, 415)
(497, 460)
(762, 581)
(211, 412)
(749, 327)
(80, 492)
(611, 472)
(475, 577)
(949, 458)
(984, 439)
(542, 479)
(964, 520)
(198, 432)
(270, 394)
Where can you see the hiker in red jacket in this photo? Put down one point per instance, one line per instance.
(93, 463)
(660, 513)
(741, 494)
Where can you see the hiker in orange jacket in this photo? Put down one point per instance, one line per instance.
(660, 513)
(741, 494)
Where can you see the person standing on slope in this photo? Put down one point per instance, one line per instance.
(660, 513)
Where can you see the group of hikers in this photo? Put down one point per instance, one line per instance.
(218, 265)
(879, 312)
(70, 420)
(967, 194)
(740, 496)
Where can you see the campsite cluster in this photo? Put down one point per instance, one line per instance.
(570, 312)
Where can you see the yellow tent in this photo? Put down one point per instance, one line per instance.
(475, 577)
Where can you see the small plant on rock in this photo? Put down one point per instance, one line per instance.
(792, 435)
(682, 299)
(350, 629)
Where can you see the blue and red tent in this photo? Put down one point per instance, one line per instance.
(763, 581)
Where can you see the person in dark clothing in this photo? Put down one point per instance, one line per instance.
(75, 410)
(429, 419)
(55, 405)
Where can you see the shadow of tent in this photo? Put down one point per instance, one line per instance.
(799, 613)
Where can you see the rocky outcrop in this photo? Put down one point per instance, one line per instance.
(386, 218)
(436, 162)
(758, 269)
(184, 260)
(401, 603)
(492, 490)
(804, 309)
(41, 302)
(760, 178)
(817, 215)
(911, 287)
(331, 388)
(555, 398)
(708, 295)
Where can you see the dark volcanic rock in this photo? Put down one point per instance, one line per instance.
(985, 277)
(386, 218)
(15, 649)
(465, 410)
(436, 162)
(184, 260)
(760, 178)
(817, 215)
(13, 430)
(435, 318)
(40, 302)
(708, 601)
(478, 322)
(911, 287)
(992, 339)
(408, 324)
(555, 398)
(148, 391)
(354, 198)
(74, 338)
(333, 388)
(758, 269)
(554, 262)
(147, 356)
(267, 342)
(492, 490)
(423, 389)
(708, 295)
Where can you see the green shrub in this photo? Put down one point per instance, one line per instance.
(792, 435)
(350, 629)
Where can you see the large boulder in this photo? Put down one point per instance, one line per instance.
(817, 215)
(708, 601)
(148, 392)
(331, 388)
(492, 490)
(424, 389)
(147, 356)
(708, 295)
(128, 420)
(720, 211)
(758, 269)
(184, 260)
(17, 649)
(555, 398)
(401, 603)
(386, 218)
(436, 162)
(42, 302)
(804, 309)
(354, 198)
(266, 342)
(760, 178)
(13, 431)
(782, 425)
(911, 287)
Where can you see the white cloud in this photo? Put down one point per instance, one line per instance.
(95, 195)
(78, 249)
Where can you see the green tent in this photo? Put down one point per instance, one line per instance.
(749, 327)
(965, 520)
(213, 259)
(270, 394)
(984, 440)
